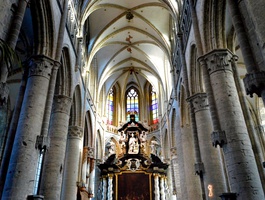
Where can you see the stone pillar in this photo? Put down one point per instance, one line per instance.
(248, 39)
(21, 175)
(110, 186)
(162, 187)
(156, 186)
(175, 172)
(91, 169)
(70, 179)
(104, 188)
(213, 174)
(84, 166)
(52, 174)
(238, 154)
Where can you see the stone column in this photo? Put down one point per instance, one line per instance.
(254, 80)
(84, 166)
(110, 186)
(21, 175)
(238, 154)
(91, 169)
(69, 189)
(52, 174)
(156, 186)
(213, 174)
(175, 172)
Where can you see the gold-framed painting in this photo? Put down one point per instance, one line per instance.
(133, 186)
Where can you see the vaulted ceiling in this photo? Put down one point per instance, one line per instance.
(130, 42)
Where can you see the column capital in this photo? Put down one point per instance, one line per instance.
(218, 60)
(199, 168)
(61, 103)
(254, 83)
(4, 91)
(40, 65)
(88, 152)
(218, 138)
(42, 142)
(75, 132)
(173, 152)
(199, 101)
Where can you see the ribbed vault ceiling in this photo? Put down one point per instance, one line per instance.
(129, 51)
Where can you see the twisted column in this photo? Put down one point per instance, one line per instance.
(162, 187)
(104, 188)
(110, 187)
(156, 186)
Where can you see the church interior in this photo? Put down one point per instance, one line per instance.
(132, 99)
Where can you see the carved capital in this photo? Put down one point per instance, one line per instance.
(61, 104)
(90, 152)
(199, 101)
(173, 152)
(254, 83)
(75, 132)
(199, 168)
(41, 66)
(219, 60)
(42, 142)
(218, 138)
(228, 196)
(35, 197)
(4, 91)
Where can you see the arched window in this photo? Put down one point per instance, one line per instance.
(110, 107)
(154, 106)
(132, 104)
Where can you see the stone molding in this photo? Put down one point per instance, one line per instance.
(41, 66)
(199, 101)
(75, 132)
(62, 103)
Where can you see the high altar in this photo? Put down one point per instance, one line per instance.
(137, 173)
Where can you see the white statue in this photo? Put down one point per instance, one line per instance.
(133, 145)
(143, 140)
(111, 148)
(122, 141)
(153, 147)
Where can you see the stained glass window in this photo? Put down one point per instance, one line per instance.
(110, 107)
(154, 106)
(132, 104)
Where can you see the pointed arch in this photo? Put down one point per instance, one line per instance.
(76, 109)
(44, 28)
